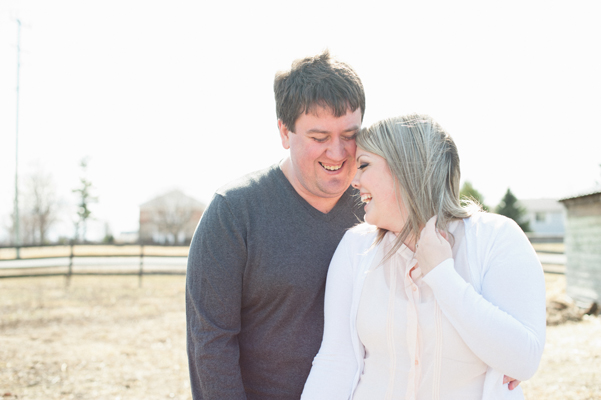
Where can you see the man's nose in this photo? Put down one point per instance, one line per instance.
(337, 150)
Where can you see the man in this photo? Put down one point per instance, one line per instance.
(259, 258)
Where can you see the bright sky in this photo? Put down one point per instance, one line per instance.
(179, 94)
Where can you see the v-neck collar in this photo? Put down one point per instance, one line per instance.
(341, 204)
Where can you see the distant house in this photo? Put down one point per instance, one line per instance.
(127, 237)
(170, 218)
(546, 217)
(583, 247)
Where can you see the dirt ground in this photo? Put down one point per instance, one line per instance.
(571, 365)
(100, 338)
(105, 338)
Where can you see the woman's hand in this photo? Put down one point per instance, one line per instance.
(513, 383)
(432, 248)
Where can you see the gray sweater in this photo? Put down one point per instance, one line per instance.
(255, 287)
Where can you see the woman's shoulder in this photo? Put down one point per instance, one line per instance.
(496, 231)
(483, 222)
(361, 235)
(360, 231)
(355, 249)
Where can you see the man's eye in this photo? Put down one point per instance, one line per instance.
(352, 137)
(318, 140)
(362, 166)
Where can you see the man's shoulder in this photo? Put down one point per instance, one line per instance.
(257, 182)
(234, 203)
(253, 193)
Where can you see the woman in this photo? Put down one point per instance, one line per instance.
(430, 299)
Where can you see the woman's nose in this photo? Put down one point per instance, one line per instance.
(355, 182)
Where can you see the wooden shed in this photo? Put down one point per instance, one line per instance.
(583, 247)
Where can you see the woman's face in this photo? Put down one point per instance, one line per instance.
(377, 187)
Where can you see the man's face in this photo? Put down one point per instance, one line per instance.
(322, 152)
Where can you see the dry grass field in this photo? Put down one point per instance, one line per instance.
(105, 338)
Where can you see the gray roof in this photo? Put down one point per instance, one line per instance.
(589, 192)
(539, 205)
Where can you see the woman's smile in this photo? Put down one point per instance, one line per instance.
(377, 188)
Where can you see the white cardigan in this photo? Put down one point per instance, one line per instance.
(500, 315)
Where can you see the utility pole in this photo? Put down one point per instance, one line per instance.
(16, 221)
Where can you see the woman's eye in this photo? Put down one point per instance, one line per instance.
(362, 166)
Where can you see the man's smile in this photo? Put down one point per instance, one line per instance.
(332, 167)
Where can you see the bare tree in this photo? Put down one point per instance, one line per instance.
(173, 215)
(43, 207)
(26, 228)
(40, 207)
(170, 218)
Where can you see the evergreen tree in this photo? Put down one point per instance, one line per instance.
(84, 192)
(468, 191)
(510, 208)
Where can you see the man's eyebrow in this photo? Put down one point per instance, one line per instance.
(317, 130)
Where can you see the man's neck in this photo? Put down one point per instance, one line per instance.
(322, 204)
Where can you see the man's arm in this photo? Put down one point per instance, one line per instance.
(213, 301)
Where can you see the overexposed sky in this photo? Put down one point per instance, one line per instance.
(162, 95)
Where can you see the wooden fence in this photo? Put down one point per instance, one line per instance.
(140, 260)
(92, 259)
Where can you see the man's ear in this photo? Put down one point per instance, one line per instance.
(284, 134)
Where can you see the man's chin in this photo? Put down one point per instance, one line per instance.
(335, 189)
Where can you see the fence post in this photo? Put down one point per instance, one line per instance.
(70, 272)
(141, 265)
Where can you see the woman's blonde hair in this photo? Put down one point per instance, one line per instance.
(424, 161)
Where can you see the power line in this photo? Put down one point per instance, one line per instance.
(16, 220)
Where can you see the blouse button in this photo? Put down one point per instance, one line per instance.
(416, 362)
(414, 288)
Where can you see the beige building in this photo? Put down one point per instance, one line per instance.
(170, 218)
(546, 218)
(583, 247)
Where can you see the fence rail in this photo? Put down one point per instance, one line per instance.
(92, 259)
(140, 259)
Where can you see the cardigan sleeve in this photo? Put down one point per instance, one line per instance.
(335, 365)
(505, 324)
(213, 303)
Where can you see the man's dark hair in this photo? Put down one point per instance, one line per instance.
(319, 81)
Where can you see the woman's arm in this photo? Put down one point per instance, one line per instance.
(335, 365)
(505, 325)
